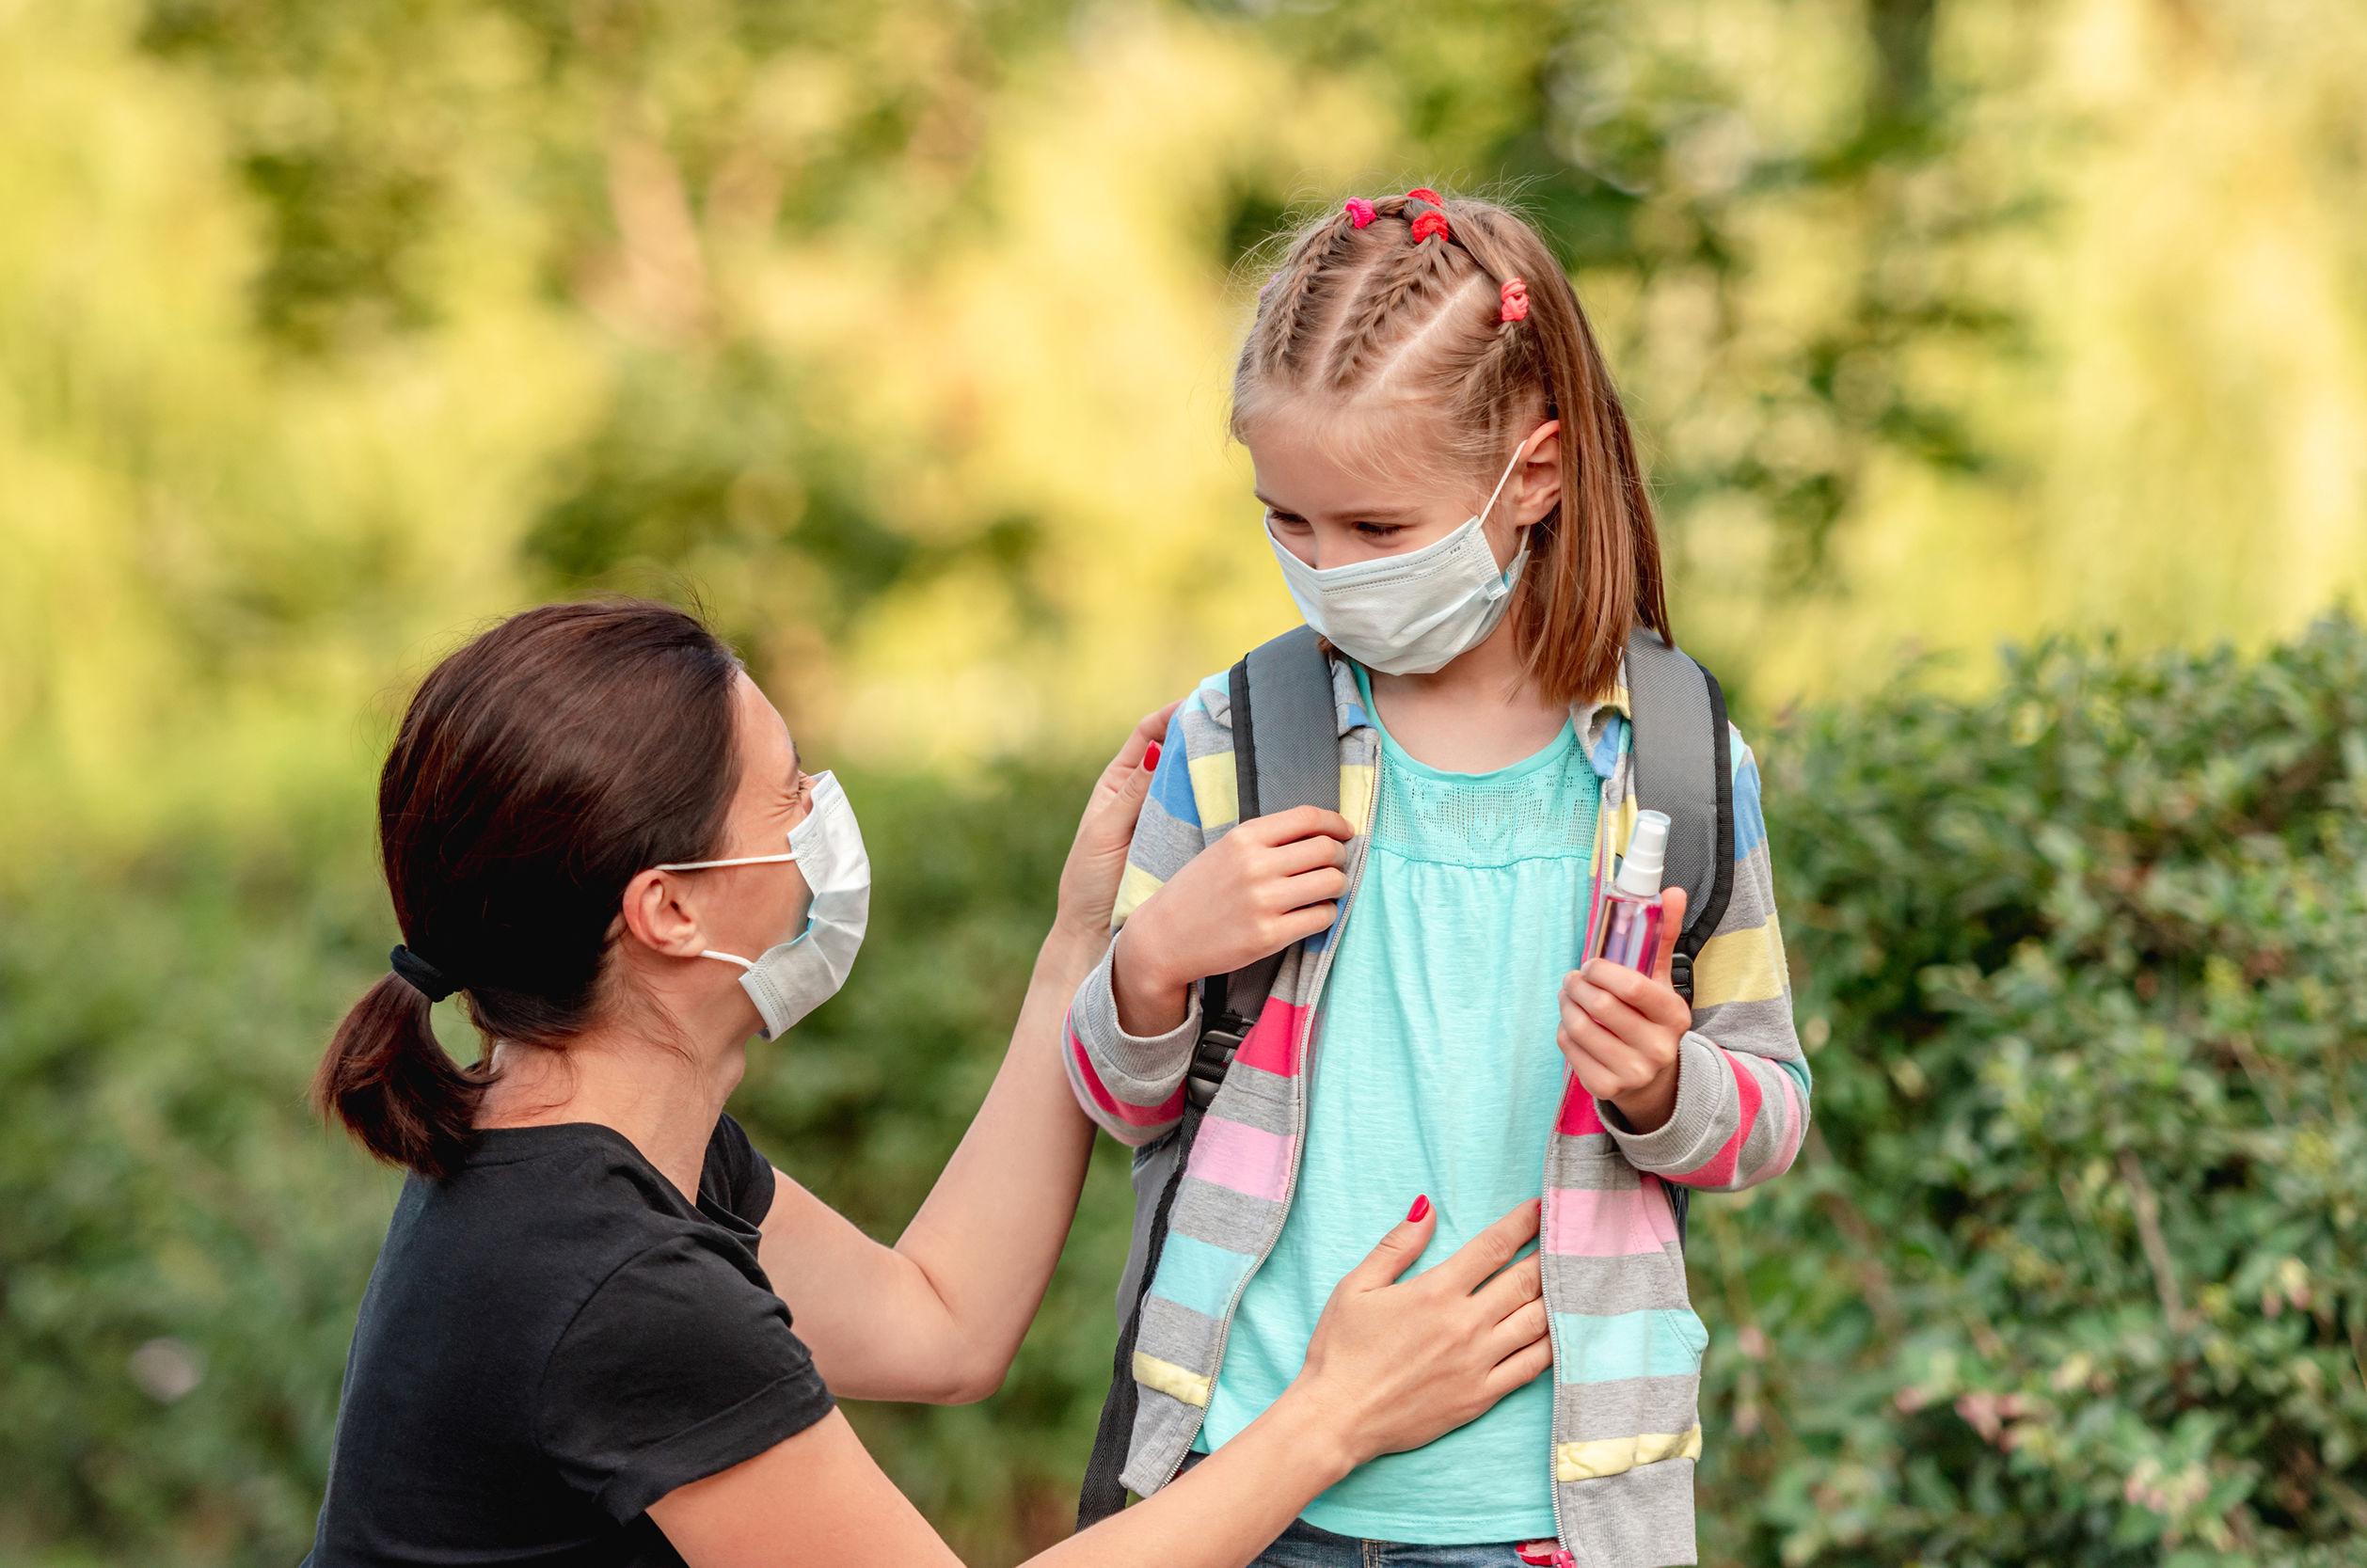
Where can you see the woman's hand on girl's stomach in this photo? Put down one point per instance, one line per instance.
(1394, 1362)
(1271, 882)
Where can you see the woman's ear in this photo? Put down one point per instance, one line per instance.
(1537, 487)
(656, 913)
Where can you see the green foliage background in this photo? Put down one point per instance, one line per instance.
(900, 333)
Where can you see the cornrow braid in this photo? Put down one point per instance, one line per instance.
(1412, 271)
(1284, 319)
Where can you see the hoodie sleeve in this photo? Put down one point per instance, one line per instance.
(1742, 1079)
(1133, 1084)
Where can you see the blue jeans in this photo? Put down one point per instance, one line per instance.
(1303, 1545)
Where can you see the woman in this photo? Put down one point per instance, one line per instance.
(576, 1345)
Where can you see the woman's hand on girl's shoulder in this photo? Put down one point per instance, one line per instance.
(1097, 856)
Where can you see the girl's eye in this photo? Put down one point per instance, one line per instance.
(1284, 522)
(1381, 530)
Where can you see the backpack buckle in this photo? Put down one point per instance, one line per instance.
(1681, 973)
(1213, 1057)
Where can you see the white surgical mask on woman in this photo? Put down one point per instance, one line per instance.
(794, 978)
(1413, 613)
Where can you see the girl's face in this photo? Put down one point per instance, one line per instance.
(1330, 508)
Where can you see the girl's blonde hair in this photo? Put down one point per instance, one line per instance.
(1457, 310)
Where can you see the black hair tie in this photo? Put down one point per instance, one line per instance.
(423, 977)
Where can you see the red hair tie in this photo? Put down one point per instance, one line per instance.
(1424, 193)
(1358, 209)
(1431, 223)
(1515, 296)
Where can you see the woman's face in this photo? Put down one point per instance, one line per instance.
(747, 909)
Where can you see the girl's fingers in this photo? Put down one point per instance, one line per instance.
(1594, 1002)
(1300, 924)
(1310, 853)
(1672, 927)
(1314, 887)
(1520, 1369)
(1654, 998)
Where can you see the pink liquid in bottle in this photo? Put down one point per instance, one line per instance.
(1631, 905)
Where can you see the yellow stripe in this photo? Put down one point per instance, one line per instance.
(1172, 1380)
(1740, 966)
(1356, 794)
(1623, 829)
(1214, 789)
(1133, 888)
(1609, 1456)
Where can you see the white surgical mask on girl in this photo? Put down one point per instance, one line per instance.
(1413, 613)
(792, 978)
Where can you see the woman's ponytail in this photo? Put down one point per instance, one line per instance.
(537, 771)
(392, 1084)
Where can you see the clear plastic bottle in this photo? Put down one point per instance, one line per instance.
(1631, 905)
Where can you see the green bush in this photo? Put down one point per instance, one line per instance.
(2070, 1275)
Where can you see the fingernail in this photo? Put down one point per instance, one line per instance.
(1422, 1207)
(1151, 756)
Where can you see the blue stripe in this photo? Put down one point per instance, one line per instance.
(1798, 1067)
(1357, 719)
(1604, 758)
(1750, 826)
(1657, 1341)
(1196, 1274)
(1171, 786)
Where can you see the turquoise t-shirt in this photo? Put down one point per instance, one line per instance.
(1437, 1073)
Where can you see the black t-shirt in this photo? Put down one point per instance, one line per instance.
(552, 1340)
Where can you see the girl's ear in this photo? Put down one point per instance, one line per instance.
(1537, 487)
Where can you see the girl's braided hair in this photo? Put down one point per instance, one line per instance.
(1455, 310)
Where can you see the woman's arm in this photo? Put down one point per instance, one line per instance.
(1390, 1366)
(939, 1316)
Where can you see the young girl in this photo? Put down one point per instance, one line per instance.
(1452, 495)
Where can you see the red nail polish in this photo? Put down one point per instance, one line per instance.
(1422, 1207)
(1151, 756)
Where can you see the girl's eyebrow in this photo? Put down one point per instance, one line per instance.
(1377, 514)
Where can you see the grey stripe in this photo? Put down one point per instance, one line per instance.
(1583, 1412)
(1164, 1426)
(1638, 1518)
(1254, 1098)
(1222, 1217)
(1173, 1332)
(1627, 1283)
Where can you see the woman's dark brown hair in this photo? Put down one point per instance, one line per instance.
(537, 771)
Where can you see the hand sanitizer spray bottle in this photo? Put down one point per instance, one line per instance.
(1631, 906)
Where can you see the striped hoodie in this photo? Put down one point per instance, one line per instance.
(1626, 1344)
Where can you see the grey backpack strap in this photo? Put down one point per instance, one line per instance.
(1683, 765)
(1285, 753)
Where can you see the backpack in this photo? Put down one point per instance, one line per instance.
(1286, 754)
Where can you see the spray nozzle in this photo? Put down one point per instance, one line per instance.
(1648, 848)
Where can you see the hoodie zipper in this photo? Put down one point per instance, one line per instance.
(1600, 863)
(1298, 1119)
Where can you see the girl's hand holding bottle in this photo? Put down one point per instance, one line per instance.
(1621, 1026)
(1269, 882)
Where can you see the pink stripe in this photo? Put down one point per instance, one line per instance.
(1125, 1111)
(1719, 1170)
(1788, 1147)
(1273, 1043)
(1241, 1158)
(1584, 1223)
(1579, 1115)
